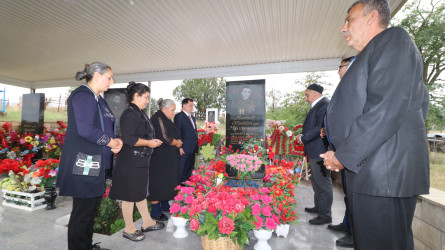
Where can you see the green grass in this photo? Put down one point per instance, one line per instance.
(437, 170)
(14, 114)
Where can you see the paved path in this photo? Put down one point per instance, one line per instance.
(46, 230)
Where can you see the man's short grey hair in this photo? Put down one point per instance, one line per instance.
(165, 103)
(381, 6)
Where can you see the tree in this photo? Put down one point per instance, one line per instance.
(426, 25)
(206, 92)
(294, 107)
(275, 96)
(153, 106)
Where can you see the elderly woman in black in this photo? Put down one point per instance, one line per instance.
(164, 162)
(130, 177)
(89, 145)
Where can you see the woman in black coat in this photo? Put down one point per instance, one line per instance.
(164, 161)
(130, 177)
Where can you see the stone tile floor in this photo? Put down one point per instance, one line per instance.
(46, 230)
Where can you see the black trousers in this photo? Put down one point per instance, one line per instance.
(186, 166)
(382, 222)
(80, 227)
(322, 185)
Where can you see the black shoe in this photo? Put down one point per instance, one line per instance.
(161, 217)
(96, 246)
(340, 227)
(319, 221)
(136, 236)
(311, 210)
(345, 241)
(157, 226)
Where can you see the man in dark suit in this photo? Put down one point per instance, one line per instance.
(345, 226)
(376, 120)
(314, 145)
(186, 125)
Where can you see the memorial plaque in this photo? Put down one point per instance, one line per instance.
(212, 115)
(246, 111)
(33, 113)
(117, 101)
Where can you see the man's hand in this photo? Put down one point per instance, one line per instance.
(181, 152)
(299, 139)
(331, 162)
(154, 143)
(323, 132)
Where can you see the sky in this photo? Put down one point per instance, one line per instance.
(164, 89)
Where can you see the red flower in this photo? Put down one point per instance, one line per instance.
(226, 225)
(194, 224)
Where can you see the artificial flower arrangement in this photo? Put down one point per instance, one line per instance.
(263, 210)
(282, 140)
(52, 140)
(208, 134)
(201, 181)
(245, 165)
(47, 171)
(21, 147)
(223, 212)
(280, 179)
(24, 179)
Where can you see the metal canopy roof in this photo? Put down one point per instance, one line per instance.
(43, 43)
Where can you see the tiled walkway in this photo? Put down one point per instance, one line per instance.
(46, 230)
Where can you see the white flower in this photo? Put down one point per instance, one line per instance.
(36, 180)
(281, 128)
(289, 133)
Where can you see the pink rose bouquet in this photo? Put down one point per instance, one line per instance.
(264, 211)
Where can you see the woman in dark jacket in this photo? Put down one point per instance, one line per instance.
(87, 152)
(130, 177)
(164, 161)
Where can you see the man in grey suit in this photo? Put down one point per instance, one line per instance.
(376, 121)
(314, 145)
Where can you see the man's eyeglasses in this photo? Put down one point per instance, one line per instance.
(341, 66)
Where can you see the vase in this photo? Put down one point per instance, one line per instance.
(50, 196)
(282, 230)
(180, 223)
(262, 235)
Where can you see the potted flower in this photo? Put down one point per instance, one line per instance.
(179, 210)
(222, 217)
(47, 171)
(265, 215)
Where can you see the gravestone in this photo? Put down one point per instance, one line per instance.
(246, 111)
(117, 102)
(212, 115)
(32, 113)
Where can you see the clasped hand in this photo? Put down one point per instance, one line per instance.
(331, 162)
(115, 145)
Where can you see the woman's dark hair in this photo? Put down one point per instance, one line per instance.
(136, 88)
(89, 70)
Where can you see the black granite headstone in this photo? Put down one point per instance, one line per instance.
(246, 111)
(117, 101)
(211, 115)
(32, 113)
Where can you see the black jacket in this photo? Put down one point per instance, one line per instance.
(314, 145)
(377, 119)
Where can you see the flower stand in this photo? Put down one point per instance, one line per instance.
(222, 243)
(263, 236)
(22, 200)
(180, 223)
(282, 230)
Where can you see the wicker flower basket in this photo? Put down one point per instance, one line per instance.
(222, 243)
